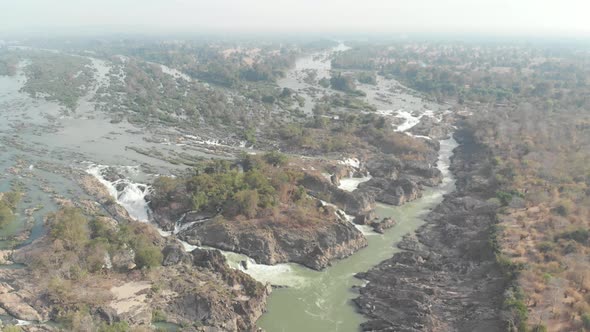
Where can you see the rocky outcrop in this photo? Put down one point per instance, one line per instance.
(447, 279)
(394, 192)
(17, 301)
(314, 244)
(94, 188)
(381, 226)
(438, 129)
(166, 212)
(387, 167)
(205, 290)
(424, 173)
(397, 182)
(123, 259)
(354, 203)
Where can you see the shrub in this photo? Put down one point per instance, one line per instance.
(70, 226)
(564, 207)
(275, 158)
(504, 197)
(247, 202)
(147, 255)
(546, 246)
(586, 320)
(515, 305)
(158, 316)
(580, 235)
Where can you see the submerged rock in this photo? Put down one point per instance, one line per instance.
(381, 226)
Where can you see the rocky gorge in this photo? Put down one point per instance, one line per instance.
(446, 278)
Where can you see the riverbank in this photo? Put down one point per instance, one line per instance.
(322, 300)
(447, 278)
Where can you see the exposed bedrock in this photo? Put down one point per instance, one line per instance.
(447, 278)
(314, 245)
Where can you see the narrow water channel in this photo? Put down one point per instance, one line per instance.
(321, 301)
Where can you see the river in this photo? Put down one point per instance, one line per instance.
(40, 146)
(321, 300)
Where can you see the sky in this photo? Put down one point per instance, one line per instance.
(496, 17)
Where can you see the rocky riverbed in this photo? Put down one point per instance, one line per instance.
(195, 286)
(446, 279)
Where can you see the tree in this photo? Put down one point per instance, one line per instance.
(8, 202)
(275, 158)
(6, 214)
(342, 83)
(70, 226)
(147, 254)
(247, 201)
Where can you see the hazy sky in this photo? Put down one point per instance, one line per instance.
(538, 17)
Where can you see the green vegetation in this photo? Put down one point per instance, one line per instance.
(367, 77)
(70, 227)
(344, 83)
(514, 304)
(251, 187)
(158, 316)
(77, 252)
(62, 78)
(478, 73)
(79, 245)
(348, 133)
(8, 203)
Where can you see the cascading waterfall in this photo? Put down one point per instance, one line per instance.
(131, 196)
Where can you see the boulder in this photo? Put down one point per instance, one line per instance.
(123, 259)
(381, 226)
(174, 254)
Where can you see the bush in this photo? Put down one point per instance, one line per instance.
(70, 226)
(545, 247)
(247, 202)
(8, 202)
(367, 78)
(504, 197)
(6, 214)
(158, 316)
(586, 320)
(342, 83)
(564, 207)
(147, 255)
(514, 304)
(275, 158)
(580, 235)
